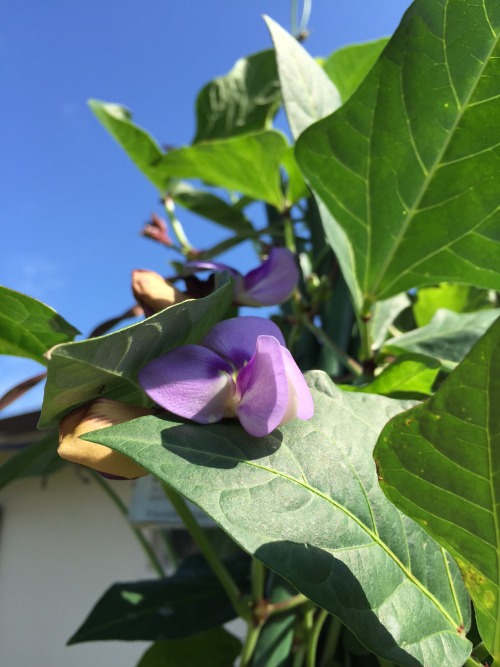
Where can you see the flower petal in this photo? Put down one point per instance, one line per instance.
(272, 282)
(236, 339)
(190, 381)
(300, 402)
(263, 387)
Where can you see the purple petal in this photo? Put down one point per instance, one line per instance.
(300, 402)
(263, 387)
(272, 282)
(211, 266)
(236, 339)
(192, 382)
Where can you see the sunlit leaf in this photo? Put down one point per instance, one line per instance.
(305, 500)
(348, 66)
(458, 298)
(141, 148)
(244, 100)
(29, 328)
(440, 464)
(409, 165)
(448, 337)
(409, 374)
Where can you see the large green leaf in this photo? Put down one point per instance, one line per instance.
(189, 602)
(440, 463)
(305, 500)
(248, 164)
(141, 148)
(448, 337)
(107, 366)
(215, 648)
(244, 100)
(28, 328)
(409, 165)
(409, 374)
(348, 66)
(458, 298)
(308, 95)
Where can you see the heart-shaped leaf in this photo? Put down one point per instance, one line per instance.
(107, 366)
(440, 464)
(28, 328)
(305, 500)
(408, 167)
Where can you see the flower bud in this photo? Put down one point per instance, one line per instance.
(99, 414)
(153, 292)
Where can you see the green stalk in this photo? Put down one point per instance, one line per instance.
(312, 640)
(258, 580)
(480, 652)
(384, 663)
(253, 632)
(279, 607)
(218, 567)
(148, 550)
(331, 642)
(341, 356)
(177, 227)
(470, 662)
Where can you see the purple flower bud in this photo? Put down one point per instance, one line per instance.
(241, 369)
(269, 284)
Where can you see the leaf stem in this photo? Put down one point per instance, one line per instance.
(148, 549)
(341, 356)
(258, 580)
(286, 605)
(331, 642)
(312, 641)
(218, 567)
(480, 652)
(253, 632)
(177, 227)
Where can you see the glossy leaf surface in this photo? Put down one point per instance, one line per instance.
(440, 463)
(28, 328)
(305, 500)
(409, 165)
(107, 366)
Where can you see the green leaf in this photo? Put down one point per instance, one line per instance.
(248, 164)
(245, 100)
(107, 366)
(440, 464)
(141, 148)
(28, 328)
(308, 93)
(189, 602)
(384, 314)
(216, 648)
(348, 66)
(448, 337)
(458, 298)
(209, 206)
(410, 374)
(409, 166)
(305, 500)
(39, 459)
(296, 186)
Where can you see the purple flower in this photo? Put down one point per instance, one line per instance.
(241, 369)
(269, 284)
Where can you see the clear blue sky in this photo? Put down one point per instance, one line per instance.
(71, 203)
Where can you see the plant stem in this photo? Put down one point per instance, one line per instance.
(253, 632)
(279, 607)
(332, 640)
(339, 354)
(470, 662)
(218, 567)
(148, 550)
(384, 663)
(312, 641)
(177, 227)
(480, 652)
(258, 580)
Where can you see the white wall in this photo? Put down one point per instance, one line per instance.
(61, 547)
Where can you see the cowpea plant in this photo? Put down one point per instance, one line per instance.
(368, 500)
